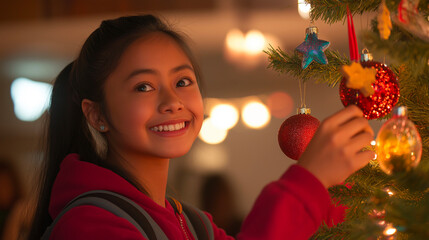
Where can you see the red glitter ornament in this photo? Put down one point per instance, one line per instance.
(296, 132)
(386, 92)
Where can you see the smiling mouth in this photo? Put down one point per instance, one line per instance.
(169, 127)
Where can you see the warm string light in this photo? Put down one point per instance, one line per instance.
(389, 191)
(255, 112)
(255, 115)
(373, 143)
(30, 98)
(254, 42)
(389, 232)
(251, 43)
(224, 116)
(280, 104)
(246, 49)
(304, 9)
(210, 134)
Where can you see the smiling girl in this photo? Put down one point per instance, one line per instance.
(128, 104)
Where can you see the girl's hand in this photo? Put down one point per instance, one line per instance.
(335, 150)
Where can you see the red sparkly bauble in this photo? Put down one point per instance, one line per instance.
(295, 133)
(385, 97)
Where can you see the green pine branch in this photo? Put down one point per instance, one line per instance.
(405, 209)
(290, 63)
(414, 92)
(331, 11)
(401, 47)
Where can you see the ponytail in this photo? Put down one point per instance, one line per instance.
(64, 135)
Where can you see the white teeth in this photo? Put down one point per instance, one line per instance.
(170, 127)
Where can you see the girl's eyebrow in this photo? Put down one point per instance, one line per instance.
(181, 67)
(152, 71)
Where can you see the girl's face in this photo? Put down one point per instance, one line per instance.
(153, 103)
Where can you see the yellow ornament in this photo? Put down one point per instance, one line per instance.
(384, 23)
(360, 78)
(399, 146)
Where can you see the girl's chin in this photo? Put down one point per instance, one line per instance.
(174, 153)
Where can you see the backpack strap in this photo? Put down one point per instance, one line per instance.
(120, 206)
(197, 221)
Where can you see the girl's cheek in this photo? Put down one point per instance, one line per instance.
(133, 113)
(197, 104)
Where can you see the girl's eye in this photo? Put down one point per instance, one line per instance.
(144, 87)
(183, 82)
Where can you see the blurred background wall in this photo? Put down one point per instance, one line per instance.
(39, 37)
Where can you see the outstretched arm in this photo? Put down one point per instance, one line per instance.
(294, 206)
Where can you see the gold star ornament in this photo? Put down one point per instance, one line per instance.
(359, 78)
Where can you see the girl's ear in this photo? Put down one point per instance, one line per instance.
(94, 115)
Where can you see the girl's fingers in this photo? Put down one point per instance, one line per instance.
(345, 115)
(358, 142)
(354, 127)
(362, 159)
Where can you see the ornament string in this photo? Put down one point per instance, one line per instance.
(302, 89)
(353, 47)
(400, 12)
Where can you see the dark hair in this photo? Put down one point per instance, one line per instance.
(67, 128)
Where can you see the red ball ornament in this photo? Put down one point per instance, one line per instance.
(296, 132)
(385, 97)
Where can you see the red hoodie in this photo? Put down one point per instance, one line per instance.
(292, 207)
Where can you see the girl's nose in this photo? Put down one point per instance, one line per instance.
(170, 103)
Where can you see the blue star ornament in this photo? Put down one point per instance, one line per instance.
(313, 50)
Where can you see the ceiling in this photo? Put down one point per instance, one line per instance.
(29, 10)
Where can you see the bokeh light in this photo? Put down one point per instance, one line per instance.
(304, 9)
(209, 158)
(235, 40)
(280, 104)
(224, 116)
(389, 230)
(211, 134)
(254, 42)
(255, 114)
(30, 98)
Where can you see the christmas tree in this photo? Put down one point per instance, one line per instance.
(380, 205)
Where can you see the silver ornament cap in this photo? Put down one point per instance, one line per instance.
(366, 56)
(303, 110)
(312, 30)
(400, 111)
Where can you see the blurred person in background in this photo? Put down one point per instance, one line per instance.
(218, 198)
(13, 224)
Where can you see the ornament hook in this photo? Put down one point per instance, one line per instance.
(366, 55)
